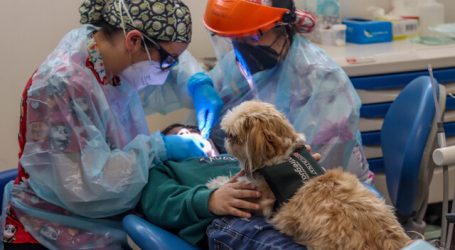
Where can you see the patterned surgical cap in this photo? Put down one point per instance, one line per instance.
(164, 20)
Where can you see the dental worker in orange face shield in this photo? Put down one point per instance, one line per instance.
(262, 55)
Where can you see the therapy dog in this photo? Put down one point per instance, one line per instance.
(317, 208)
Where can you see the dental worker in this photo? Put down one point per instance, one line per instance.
(85, 147)
(262, 54)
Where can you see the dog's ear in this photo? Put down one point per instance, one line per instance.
(255, 149)
(264, 141)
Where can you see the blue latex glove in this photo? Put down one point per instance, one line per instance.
(207, 102)
(182, 147)
(373, 190)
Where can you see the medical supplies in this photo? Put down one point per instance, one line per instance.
(327, 11)
(366, 31)
(334, 36)
(404, 28)
(446, 30)
(328, 14)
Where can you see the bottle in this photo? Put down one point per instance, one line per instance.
(404, 8)
(327, 11)
(431, 13)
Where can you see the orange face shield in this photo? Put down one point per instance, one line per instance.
(237, 18)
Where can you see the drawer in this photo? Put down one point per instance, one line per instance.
(399, 80)
(371, 138)
(372, 145)
(371, 115)
(367, 125)
(379, 109)
(374, 137)
(385, 88)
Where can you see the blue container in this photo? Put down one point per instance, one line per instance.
(364, 31)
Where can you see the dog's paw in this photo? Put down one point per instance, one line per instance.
(217, 182)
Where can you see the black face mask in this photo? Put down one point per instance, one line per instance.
(255, 58)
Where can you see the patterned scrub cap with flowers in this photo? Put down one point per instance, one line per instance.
(163, 20)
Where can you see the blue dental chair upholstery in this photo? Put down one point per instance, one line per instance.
(144, 234)
(148, 236)
(408, 138)
(5, 177)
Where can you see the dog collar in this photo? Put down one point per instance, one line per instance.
(286, 178)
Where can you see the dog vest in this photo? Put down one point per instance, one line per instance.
(286, 178)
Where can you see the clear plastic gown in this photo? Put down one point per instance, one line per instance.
(88, 150)
(311, 90)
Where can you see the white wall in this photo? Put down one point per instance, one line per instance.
(449, 10)
(31, 29)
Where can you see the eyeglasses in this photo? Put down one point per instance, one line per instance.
(167, 60)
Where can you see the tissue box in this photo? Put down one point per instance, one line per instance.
(365, 31)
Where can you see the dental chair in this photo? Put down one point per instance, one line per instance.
(5, 177)
(408, 138)
(145, 235)
(148, 236)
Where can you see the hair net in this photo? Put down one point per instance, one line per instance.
(164, 20)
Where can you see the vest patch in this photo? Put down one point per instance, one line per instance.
(286, 178)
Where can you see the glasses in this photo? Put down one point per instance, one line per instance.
(167, 60)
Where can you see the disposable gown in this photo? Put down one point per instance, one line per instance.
(88, 148)
(311, 90)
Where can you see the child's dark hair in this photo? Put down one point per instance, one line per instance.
(191, 128)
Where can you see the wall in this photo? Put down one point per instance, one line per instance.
(449, 10)
(31, 29)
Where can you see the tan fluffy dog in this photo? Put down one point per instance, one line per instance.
(330, 211)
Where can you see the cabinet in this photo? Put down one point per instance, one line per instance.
(378, 73)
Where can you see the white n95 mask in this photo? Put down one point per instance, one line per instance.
(144, 73)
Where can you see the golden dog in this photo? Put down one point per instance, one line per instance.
(330, 211)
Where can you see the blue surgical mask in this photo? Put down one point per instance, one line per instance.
(144, 73)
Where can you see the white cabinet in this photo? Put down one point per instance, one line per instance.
(381, 71)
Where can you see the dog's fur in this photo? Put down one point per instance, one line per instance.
(331, 211)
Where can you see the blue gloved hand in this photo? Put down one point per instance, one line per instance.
(207, 102)
(182, 147)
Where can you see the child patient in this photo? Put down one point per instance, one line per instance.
(176, 197)
(188, 130)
